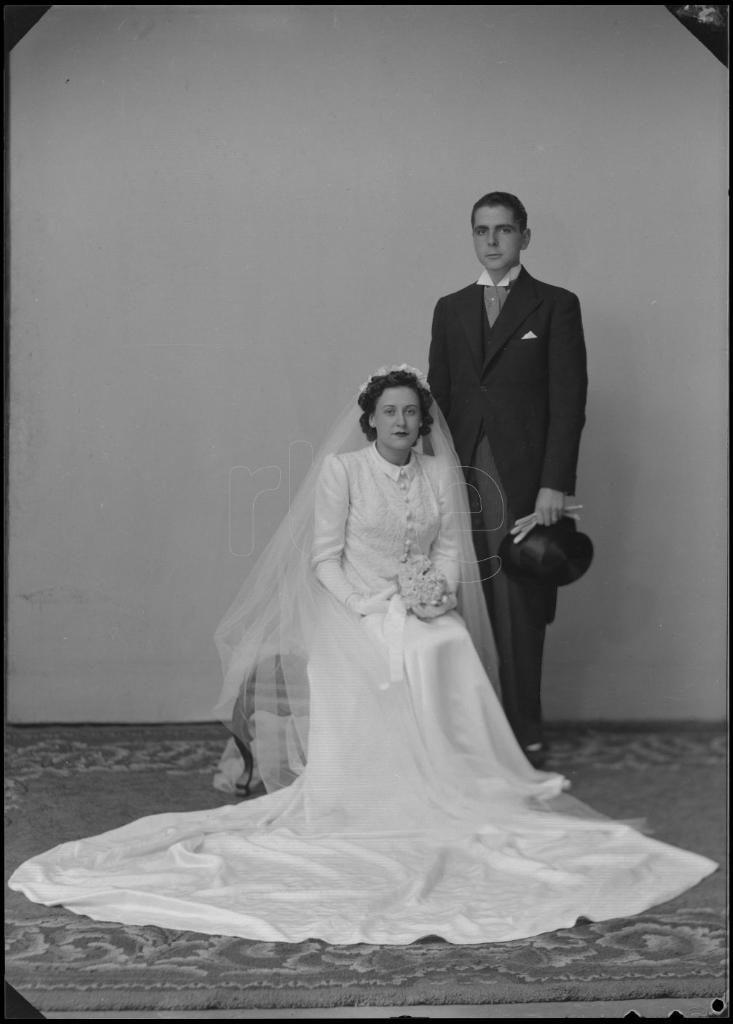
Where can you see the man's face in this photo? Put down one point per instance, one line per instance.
(498, 240)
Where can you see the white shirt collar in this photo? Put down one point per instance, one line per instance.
(389, 467)
(511, 275)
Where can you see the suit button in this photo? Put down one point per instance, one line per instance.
(482, 388)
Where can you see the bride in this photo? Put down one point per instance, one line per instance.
(357, 663)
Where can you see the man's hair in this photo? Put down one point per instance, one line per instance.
(502, 199)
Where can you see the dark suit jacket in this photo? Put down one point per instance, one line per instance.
(526, 393)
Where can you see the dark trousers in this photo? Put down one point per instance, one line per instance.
(518, 609)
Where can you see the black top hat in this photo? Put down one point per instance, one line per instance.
(556, 554)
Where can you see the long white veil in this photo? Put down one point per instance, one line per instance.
(265, 640)
(417, 812)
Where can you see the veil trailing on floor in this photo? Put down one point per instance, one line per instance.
(418, 813)
(267, 638)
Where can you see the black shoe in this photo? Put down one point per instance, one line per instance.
(536, 754)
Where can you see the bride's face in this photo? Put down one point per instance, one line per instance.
(397, 420)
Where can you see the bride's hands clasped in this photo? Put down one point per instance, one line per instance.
(432, 611)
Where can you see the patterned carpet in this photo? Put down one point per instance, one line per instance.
(66, 781)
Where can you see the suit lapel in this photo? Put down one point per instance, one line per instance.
(470, 311)
(520, 302)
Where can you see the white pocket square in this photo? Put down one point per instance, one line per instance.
(528, 336)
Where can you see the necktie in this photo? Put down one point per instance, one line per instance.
(494, 299)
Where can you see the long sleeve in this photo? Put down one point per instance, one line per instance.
(445, 550)
(567, 383)
(331, 512)
(438, 369)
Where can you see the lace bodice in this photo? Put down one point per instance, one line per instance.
(370, 514)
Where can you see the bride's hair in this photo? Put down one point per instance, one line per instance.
(394, 379)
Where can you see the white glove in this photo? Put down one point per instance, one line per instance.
(368, 604)
(431, 611)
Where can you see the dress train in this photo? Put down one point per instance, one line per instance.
(417, 814)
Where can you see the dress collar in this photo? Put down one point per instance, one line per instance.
(395, 472)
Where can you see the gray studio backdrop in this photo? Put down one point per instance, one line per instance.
(222, 218)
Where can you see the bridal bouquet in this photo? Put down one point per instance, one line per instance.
(420, 583)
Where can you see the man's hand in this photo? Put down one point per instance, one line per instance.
(526, 524)
(549, 506)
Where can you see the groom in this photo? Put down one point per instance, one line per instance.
(508, 370)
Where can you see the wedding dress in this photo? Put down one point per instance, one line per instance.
(401, 805)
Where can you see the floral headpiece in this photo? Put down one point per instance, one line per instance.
(419, 376)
